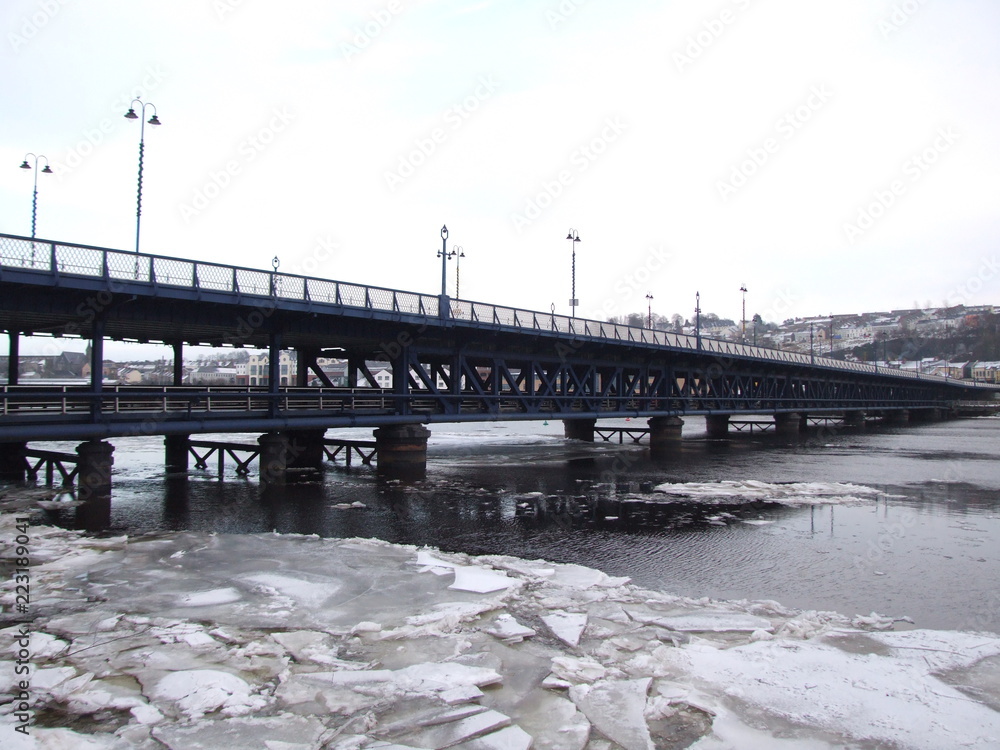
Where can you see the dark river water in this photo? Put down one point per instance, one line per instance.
(921, 538)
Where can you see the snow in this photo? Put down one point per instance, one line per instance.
(285, 642)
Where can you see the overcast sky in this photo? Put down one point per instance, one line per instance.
(833, 157)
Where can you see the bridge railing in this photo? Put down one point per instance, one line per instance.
(62, 258)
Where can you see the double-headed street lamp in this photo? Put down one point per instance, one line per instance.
(154, 120)
(573, 236)
(649, 310)
(34, 194)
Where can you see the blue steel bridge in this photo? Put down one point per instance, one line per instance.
(451, 360)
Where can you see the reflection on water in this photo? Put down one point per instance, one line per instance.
(924, 545)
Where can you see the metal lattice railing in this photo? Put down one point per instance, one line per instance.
(64, 258)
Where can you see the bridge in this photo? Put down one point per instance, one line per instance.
(451, 360)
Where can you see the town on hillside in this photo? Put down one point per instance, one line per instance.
(957, 342)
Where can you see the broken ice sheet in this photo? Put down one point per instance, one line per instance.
(567, 626)
(616, 708)
(508, 629)
(481, 580)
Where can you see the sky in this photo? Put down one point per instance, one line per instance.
(830, 157)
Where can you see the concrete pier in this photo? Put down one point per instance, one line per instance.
(305, 449)
(95, 462)
(579, 429)
(664, 433)
(273, 458)
(402, 446)
(854, 419)
(176, 451)
(897, 417)
(717, 425)
(789, 423)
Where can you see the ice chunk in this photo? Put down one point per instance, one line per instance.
(508, 629)
(480, 580)
(199, 691)
(454, 732)
(246, 733)
(567, 626)
(214, 597)
(617, 710)
(462, 694)
(581, 577)
(715, 622)
(509, 738)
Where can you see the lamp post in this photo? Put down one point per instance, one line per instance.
(573, 236)
(154, 120)
(459, 253)
(812, 353)
(649, 310)
(697, 319)
(743, 288)
(34, 194)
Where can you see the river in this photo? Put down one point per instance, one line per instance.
(904, 521)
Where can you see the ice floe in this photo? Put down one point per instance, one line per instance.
(284, 642)
(783, 493)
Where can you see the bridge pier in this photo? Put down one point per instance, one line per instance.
(12, 465)
(273, 460)
(717, 425)
(402, 446)
(14, 358)
(305, 449)
(94, 463)
(854, 419)
(897, 417)
(176, 450)
(579, 429)
(788, 423)
(664, 433)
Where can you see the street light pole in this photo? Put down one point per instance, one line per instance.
(573, 236)
(154, 120)
(697, 318)
(34, 194)
(812, 353)
(743, 288)
(443, 254)
(459, 253)
(649, 310)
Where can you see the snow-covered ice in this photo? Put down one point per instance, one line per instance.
(282, 642)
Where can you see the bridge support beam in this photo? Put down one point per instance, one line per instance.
(273, 459)
(579, 429)
(402, 446)
(12, 466)
(176, 450)
(664, 432)
(178, 363)
(717, 425)
(14, 360)
(854, 419)
(789, 423)
(305, 449)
